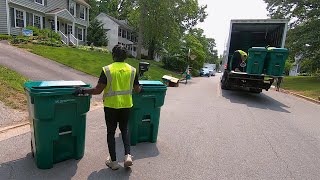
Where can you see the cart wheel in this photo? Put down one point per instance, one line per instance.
(32, 149)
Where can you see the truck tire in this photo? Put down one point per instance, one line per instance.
(224, 82)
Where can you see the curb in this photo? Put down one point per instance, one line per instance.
(300, 96)
(2, 130)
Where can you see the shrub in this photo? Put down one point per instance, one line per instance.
(5, 37)
(92, 48)
(145, 77)
(34, 29)
(175, 63)
(45, 34)
(20, 40)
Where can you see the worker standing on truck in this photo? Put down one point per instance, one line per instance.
(239, 61)
(117, 81)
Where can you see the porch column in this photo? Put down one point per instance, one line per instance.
(73, 28)
(56, 23)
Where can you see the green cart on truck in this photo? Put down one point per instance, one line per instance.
(58, 121)
(263, 64)
(262, 67)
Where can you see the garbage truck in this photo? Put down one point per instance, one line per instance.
(263, 40)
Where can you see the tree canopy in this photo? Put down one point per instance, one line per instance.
(303, 36)
(166, 25)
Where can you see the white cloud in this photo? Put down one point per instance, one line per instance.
(220, 12)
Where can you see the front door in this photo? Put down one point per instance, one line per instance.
(69, 29)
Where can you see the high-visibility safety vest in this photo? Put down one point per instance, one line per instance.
(242, 53)
(118, 91)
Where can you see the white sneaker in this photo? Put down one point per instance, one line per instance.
(112, 164)
(127, 160)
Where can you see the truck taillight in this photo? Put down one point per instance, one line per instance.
(226, 66)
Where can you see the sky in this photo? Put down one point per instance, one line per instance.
(220, 12)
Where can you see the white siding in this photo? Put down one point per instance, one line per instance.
(30, 4)
(112, 34)
(54, 4)
(3, 17)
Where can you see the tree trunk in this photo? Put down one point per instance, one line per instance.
(141, 27)
(151, 50)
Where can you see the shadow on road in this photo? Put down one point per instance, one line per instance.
(107, 173)
(25, 168)
(139, 151)
(260, 101)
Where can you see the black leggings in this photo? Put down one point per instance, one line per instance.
(112, 117)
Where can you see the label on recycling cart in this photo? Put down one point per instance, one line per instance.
(61, 83)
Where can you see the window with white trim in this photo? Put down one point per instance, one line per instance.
(19, 18)
(129, 35)
(82, 12)
(69, 29)
(71, 7)
(124, 33)
(80, 34)
(37, 21)
(120, 32)
(39, 2)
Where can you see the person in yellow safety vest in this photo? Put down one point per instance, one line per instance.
(239, 61)
(117, 80)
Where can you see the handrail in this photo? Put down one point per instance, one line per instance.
(64, 38)
(73, 40)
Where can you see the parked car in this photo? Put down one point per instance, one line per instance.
(206, 72)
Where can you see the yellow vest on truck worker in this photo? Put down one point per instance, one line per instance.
(118, 91)
(243, 54)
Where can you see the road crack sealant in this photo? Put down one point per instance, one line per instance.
(270, 144)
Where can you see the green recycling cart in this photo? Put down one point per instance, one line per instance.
(57, 120)
(256, 58)
(145, 114)
(275, 61)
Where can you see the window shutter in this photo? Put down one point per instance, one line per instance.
(43, 22)
(76, 32)
(45, 2)
(27, 18)
(78, 10)
(12, 17)
(30, 19)
(84, 35)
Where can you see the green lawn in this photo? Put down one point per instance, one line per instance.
(89, 61)
(11, 88)
(305, 85)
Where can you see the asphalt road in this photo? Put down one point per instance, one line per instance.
(204, 133)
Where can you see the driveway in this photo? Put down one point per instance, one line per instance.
(37, 68)
(204, 133)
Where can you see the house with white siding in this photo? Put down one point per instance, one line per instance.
(119, 32)
(69, 18)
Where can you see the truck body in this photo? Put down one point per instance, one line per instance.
(245, 34)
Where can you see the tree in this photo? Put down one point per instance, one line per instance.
(208, 44)
(303, 36)
(94, 10)
(164, 22)
(96, 34)
(118, 9)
